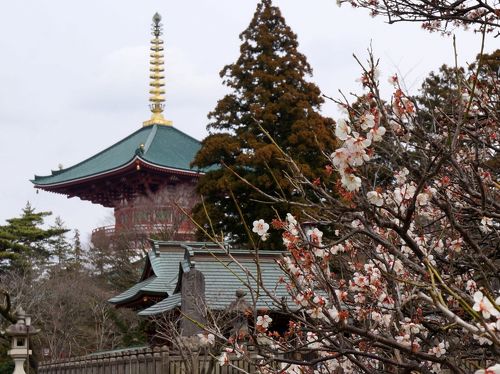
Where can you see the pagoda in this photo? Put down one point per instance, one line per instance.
(146, 177)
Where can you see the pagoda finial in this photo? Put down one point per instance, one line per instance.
(157, 76)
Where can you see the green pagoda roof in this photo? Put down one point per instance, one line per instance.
(157, 146)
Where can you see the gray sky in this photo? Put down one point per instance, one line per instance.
(74, 75)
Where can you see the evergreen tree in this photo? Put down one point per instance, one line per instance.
(59, 245)
(269, 92)
(77, 259)
(24, 242)
(445, 89)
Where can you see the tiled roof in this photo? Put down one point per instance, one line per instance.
(165, 268)
(162, 146)
(223, 279)
(132, 292)
(169, 303)
(223, 276)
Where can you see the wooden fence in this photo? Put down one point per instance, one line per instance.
(162, 360)
(158, 360)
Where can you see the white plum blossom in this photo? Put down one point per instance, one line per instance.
(357, 224)
(422, 199)
(319, 252)
(263, 322)
(439, 350)
(312, 340)
(483, 304)
(207, 339)
(340, 159)
(471, 286)
(393, 80)
(260, 227)
(367, 121)
(351, 182)
(401, 175)
(342, 130)
(486, 222)
(291, 219)
(456, 245)
(336, 249)
(315, 312)
(334, 314)
(356, 150)
(223, 359)
(315, 235)
(376, 134)
(375, 198)
(495, 369)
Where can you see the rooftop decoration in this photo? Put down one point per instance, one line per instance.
(153, 164)
(157, 76)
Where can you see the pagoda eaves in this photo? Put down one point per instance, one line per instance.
(139, 164)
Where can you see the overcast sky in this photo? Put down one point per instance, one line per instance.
(74, 75)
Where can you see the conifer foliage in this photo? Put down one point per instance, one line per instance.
(24, 242)
(269, 94)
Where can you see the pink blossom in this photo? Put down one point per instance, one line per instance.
(337, 249)
(315, 312)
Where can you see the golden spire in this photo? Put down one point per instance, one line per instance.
(157, 76)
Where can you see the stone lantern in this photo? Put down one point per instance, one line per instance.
(20, 334)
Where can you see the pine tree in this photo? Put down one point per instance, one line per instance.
(269, 92)
(24, 242)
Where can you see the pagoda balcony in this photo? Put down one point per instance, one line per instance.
(144, 231)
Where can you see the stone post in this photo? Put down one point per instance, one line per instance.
(193, 305)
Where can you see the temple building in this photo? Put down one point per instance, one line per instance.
(146, 177)
(194, 278)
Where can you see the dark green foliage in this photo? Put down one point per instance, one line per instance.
(441, 92)
(268, 91)
(24, 242)
(6, 366)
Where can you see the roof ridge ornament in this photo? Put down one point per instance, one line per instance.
(157, 76)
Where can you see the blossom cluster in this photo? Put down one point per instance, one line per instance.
(397, 263)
